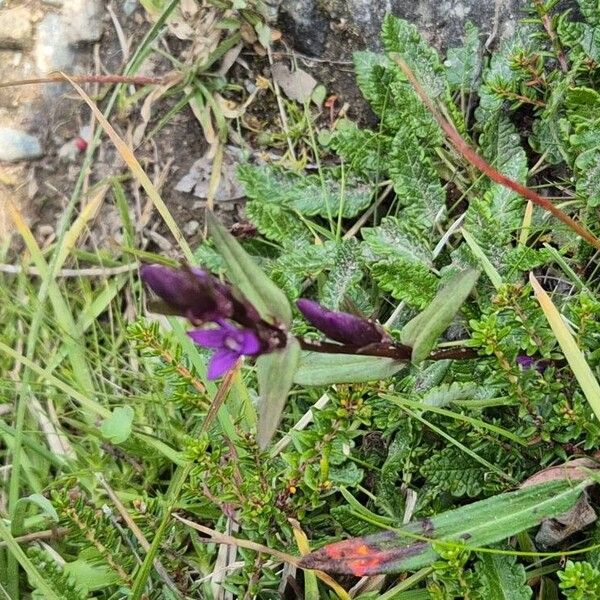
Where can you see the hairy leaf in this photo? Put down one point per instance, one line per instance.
(403, 38)
(462, 63)
(502, 578)
(325, 369)
(304, 194)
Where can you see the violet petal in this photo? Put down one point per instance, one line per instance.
(250, 343)
(221, 361)
(209, 338)
(340, 326)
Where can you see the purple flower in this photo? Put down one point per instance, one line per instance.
(528, 362)
(340, 326)
(190, 292)
(229, 343)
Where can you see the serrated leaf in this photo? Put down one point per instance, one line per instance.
(453, 471)
(587, 184)
(502, 577)
(394, 239)
(117, 427)
(475, 525)
(317, 368)
(590, 9)
(411, 282)
(364, 151)
(245, 274)
(416, 182)
(275, 373)
(276, 222)
(401, 37)
(308, 195)
(422, 332)
(462, 63)
(344, 278)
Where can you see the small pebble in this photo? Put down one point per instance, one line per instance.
(191, 227)
(18, 145)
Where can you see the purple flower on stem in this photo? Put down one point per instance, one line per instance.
(341, 326)
(190, 292)
(527, 362)
(229, 344)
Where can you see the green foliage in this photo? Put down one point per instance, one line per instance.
(367, 221)
(579, 580)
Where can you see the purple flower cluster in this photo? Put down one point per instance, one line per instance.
(232, 327)
(237, 329)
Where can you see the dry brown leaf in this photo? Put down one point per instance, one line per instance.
(297, 85)
(197, 180)
(553, 531)
(574, 470)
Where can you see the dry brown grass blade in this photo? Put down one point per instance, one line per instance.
(220, 538)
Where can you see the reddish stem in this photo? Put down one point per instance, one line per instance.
(59, 78)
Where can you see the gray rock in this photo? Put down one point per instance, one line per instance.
(52, 49)
(307, 24)
(355, 24)
(84, 20)
(17, 145)
(15, 28)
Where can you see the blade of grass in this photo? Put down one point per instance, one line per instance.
(72, 341)
(459, 417)
(575, 357)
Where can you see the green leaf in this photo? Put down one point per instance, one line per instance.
(475, 525)
(21, 509)
(401, 37)
(590, 9)
(275, 372)
(423, 331)
(587, 185)
(344, 278)
(416, 182)
(462, 63)
(394, 239)
(317, 368)
(245, 274)
(364, 151)
(502, 577)
(411, 282)
(117, 427)
(451, 470)
(308, 195)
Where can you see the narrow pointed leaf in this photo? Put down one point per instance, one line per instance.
(582, 371)
(247, 276)
(275, 377)
(474, 526)
(325, 369)
(423, 331)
